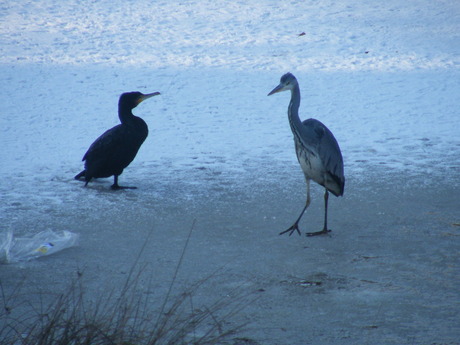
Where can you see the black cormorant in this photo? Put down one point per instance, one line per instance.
(115, 149)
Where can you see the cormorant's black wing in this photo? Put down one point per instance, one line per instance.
(107, 142)
(108, 154)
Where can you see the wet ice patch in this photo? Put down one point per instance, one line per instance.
(382, 82)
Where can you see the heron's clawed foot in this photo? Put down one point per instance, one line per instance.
(117, 187)
(294, 227)
(322, 232)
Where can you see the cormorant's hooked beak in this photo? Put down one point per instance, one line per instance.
(147, 96)
(277, 89)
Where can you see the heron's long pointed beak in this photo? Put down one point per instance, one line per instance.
(279, 88)
(147, 96)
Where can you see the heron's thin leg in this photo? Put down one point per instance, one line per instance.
(115, 185)
(325, 229)
(326, 198)
(295, 226)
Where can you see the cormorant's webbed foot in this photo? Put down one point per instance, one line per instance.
(322, 232)
(294, 227)
(117, 187)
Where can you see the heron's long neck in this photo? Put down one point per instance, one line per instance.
(293, 111)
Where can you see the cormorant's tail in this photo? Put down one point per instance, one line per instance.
(81, 174)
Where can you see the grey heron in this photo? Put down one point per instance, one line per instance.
(116, 148)
(317, 151)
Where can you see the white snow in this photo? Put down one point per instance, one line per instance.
(383, 76)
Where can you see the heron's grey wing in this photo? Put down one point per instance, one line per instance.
(319, 137)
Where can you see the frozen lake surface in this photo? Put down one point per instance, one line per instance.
(384, 77)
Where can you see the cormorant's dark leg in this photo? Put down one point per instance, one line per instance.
(325, 229)
(295, 226)
(115, 185)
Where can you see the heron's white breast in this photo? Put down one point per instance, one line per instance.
(311, 165)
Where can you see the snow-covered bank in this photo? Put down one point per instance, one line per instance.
(242, 35)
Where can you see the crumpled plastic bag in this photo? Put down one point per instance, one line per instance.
(17, 249)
